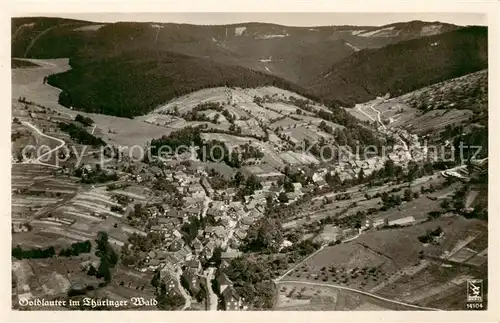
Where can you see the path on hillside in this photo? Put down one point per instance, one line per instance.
(312, 255)
(447, 172)
(277, 280)
(363, 112)
(364, 293)
(19, 29)
(187, 298)
(378, 116)
(212, 297)
(37, 160)
(45, 31)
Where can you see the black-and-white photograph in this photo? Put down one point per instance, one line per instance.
(249, 162)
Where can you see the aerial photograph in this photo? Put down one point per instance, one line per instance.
(239, 162)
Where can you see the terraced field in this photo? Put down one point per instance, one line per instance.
(392, 263)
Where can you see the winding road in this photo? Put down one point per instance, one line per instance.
(187, 298)
(363, 112)
(212, 297)
(378, 117)
(278, 280)
(37, 160)
(313, 254)
(365, 293)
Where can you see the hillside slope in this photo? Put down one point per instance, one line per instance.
(404, 67)
(135, 82)
(42, 37)
(298, 54)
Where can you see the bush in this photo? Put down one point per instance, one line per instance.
(86, 121)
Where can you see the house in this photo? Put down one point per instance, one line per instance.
(209, 230)
(180, 177)
(263, 173)
(225, 220)
(176, 245)
(231, 192)
(192, 211)
(170, 283)
(168, 279)
(208, 188)
(185, 253)
(164, 222)
(297, 187)
(154, 264)
(219, 232)
(153, 210)
(213, 212)
(156, 228)
(292, 196)
(223, 282)
(156, 170)
(224, 264)
(86, 169)
(232, 300)
(151, 254)
(163, 208)
(252, 203)
(234, 243)
(193, 201)
(161, 255)
(255, 213)
(246, 221)
(208, 251)
(194, 265)
(240, 234)
(319, 178)
(230, 254)
(176, 214)
(200, 170)
(191, 281)
(196, 191)
(197, 246)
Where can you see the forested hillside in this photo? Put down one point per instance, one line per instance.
(135, 82)
(404, 67)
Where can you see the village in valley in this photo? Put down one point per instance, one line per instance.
(269, 225)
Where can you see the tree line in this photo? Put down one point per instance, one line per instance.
(75, 249)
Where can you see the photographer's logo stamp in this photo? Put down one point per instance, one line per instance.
(475, 290)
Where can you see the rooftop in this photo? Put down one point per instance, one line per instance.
(262, 170)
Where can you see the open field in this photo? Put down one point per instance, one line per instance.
(66, 217)
(36, 191)
(384, 261)
(25, 175)
(140, 130)
(318, 210)
(297, 296)
(28, 83)
(271, 156)
(435, 282)
(447, 102)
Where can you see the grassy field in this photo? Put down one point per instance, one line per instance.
(385, 261)
(36, 191)
(28, 83)
(302, 297)
(448, 103)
